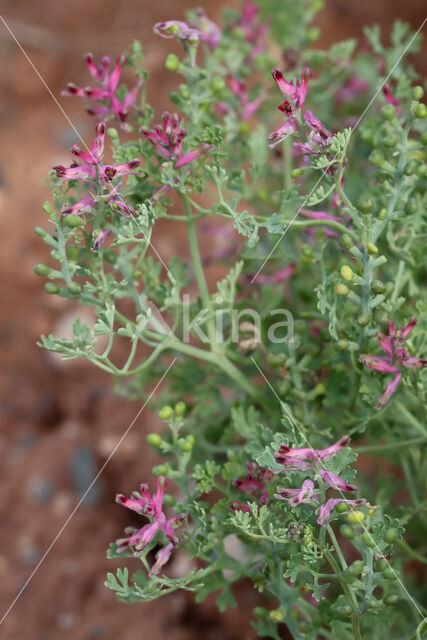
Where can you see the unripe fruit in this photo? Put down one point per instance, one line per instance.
(391, 599)
(347, 577)
(372, 248)
(277, 615)
(389, 573)
(420, 110)
(160, 470)
(342, 507)
(342, 289)
(72, 221)
(388, 112)
(382, 214)
(342, 346)
(295, 173)
(381, 564)
(180, 408)
(169, 500)
(391, 535)
(356, 517)
(75, 288)
(154, 439)
(184, 444)
(55, 255)
(184, 91)
(191, 439)
(165, 413)
(377, 286)
(417, 93)
(367, 540)
(172, 62)
(52, 288)
(356, 567)
(217, 84)
(377, 158)
(391, 141)
(41, 269)
(347, 532)
(347, 273)
(346, 241)
(364, 319)
(74, 252)
(344, 610)
(365, 205)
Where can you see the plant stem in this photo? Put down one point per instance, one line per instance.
(387, 447)
(287, 164)
(411, 552)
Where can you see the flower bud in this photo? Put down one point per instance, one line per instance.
(381, 564)
(424, 138)
(417, 93)
(52, 288)
(217, 84)
(295, 173)
(180, 408)
(367, 540)
(154, 439)
(356, 567)
(364, 319)
(172, 62)
(260, 612)
(346, 241)
(313, 34)
(48, 208)
(75, 288)
(420, 110)
(169, 500)
(113, 133)
(377, 158)
(341, 507)
(55, 255)
(356, 517)
(391, 599)
(365, 205)
(388, 112)
(342, 346)
(391, 141)
(372, 248)
(342, 289)
(41, 269)
(382, 214)
(184, 91)
(344, 610)
(166, 413)
(347, 273)
(389, 573)
(319, 389)
(160, 470)
(377, 286)
(277, 615)
(72, 221)
(391, 534)
(184, 444)
(74, 252)
(191, 439)
(41, 232)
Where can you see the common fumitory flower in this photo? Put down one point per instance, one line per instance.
(253, 483)
(105, 92)
(209, 31)
(152, 507)
(311, 461)
(254, 31)
(190, 36)
(321, 215)
(91, 169)
(294, 92)
(100, 236)
(396, 357)
(391, 99)
(167, 139)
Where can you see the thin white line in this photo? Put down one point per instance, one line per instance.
(80, 138)
(334, 158)
(86, 492)
(291, 418)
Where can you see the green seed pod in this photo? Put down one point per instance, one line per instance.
(364, 319)
(356, 567)
(217, 84)
(180, 409)
(388, 112)
(346, 241)
(41, 232)
(417, 93)
(356, 517)
(160, 470)
(420, 110)
(376, 158)
(347, 577)
(184, 91)
(381, 564)
(372, 248)
(391, 141)
(365, 205)
(165, 413)
(377, 286)
(184, 444)
(52, 288)
(347, 273)
(367, 540)
(347, 532)
(341, 289)
(172, 62)
(391, 534)
(154, 439)
(75, 288)
(391, 599)
(389, 573)
(41, 269)
(295, 173)
(72, 221)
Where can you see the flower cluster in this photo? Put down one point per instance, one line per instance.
(396, 358)
(152, 507)
(106, 91)
(254, 484)
(297, 459)
(253, 29)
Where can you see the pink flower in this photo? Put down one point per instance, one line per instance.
(100, 236)
(321, 215)
(209, 31)
(336, 482)
(312, 454)
(390, 99)
(295, 92)
(254, 31)
(167, 139)
(317, 126)
(151, 507)
(247, 107)
(279, 276)
(178, 29)
(298, 496)
(105, 92)
(325, 509)
(396, 357)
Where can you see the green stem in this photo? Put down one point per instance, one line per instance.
(389, 447)
(325, 223)
(411, 552)
(287, 164)
(410, 418)
(399, 275)
(356, 627)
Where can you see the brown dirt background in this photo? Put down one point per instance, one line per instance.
(52, 414)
